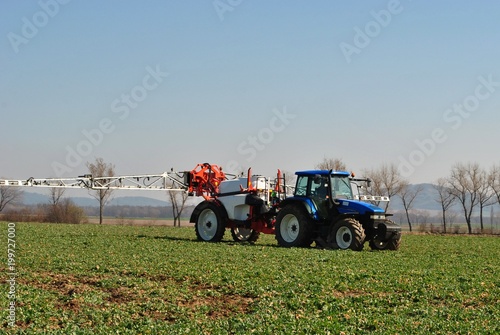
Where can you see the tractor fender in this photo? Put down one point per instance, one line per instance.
(197, 210)
(305, 203)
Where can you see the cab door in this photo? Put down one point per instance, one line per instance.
(319, 194)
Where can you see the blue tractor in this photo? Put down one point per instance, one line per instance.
(323, 209)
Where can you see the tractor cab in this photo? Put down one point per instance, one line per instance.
(330, 194)
(323, 184)
(323, 190)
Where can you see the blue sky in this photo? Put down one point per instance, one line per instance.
(150, 85)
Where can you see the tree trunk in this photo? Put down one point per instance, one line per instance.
(178, 219)
(174, 214)
(100, 214)
(408, 219)
(444, 221)
(467, 216)
(481, 217)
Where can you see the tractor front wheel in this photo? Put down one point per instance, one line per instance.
(292, 227)
(210, 226)
(347, 234)
(392, 244)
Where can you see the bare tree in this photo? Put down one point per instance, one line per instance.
(9, 195)
(101, 169)
(485, 195)
(445, 198)
(56, 194)
(54, 212)
(494, 180)
(290, 177)
(335, 164)
(386, 180)
(464, 183)
(408, 194)
(178, 200)
(65, 211)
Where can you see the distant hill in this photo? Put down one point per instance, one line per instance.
(34, 198)
(137, 201)
(426, 199)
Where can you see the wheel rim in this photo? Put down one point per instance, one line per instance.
(289, 228)
(242, 234)
(378, 244)
(207, 224)
(344, 237)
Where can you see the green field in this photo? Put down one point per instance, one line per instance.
(85, 279)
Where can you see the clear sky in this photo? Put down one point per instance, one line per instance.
(150, 85)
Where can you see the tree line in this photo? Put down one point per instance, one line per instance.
(68, 212)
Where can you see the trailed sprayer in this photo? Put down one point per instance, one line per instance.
(324, 207)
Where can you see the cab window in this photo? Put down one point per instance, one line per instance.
(301, 186)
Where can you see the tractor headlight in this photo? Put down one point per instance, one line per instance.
(377, 216)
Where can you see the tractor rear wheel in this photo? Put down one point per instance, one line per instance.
(244, 235)
(293, 227)
(347, 234)
(210, 225)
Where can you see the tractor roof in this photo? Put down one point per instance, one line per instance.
(322, 173)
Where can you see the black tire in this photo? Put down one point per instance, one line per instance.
(210, 224)
(393, 244)
(244, 235)
(347, 233)
(293, 227)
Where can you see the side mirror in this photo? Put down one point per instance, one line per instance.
(368, 182)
